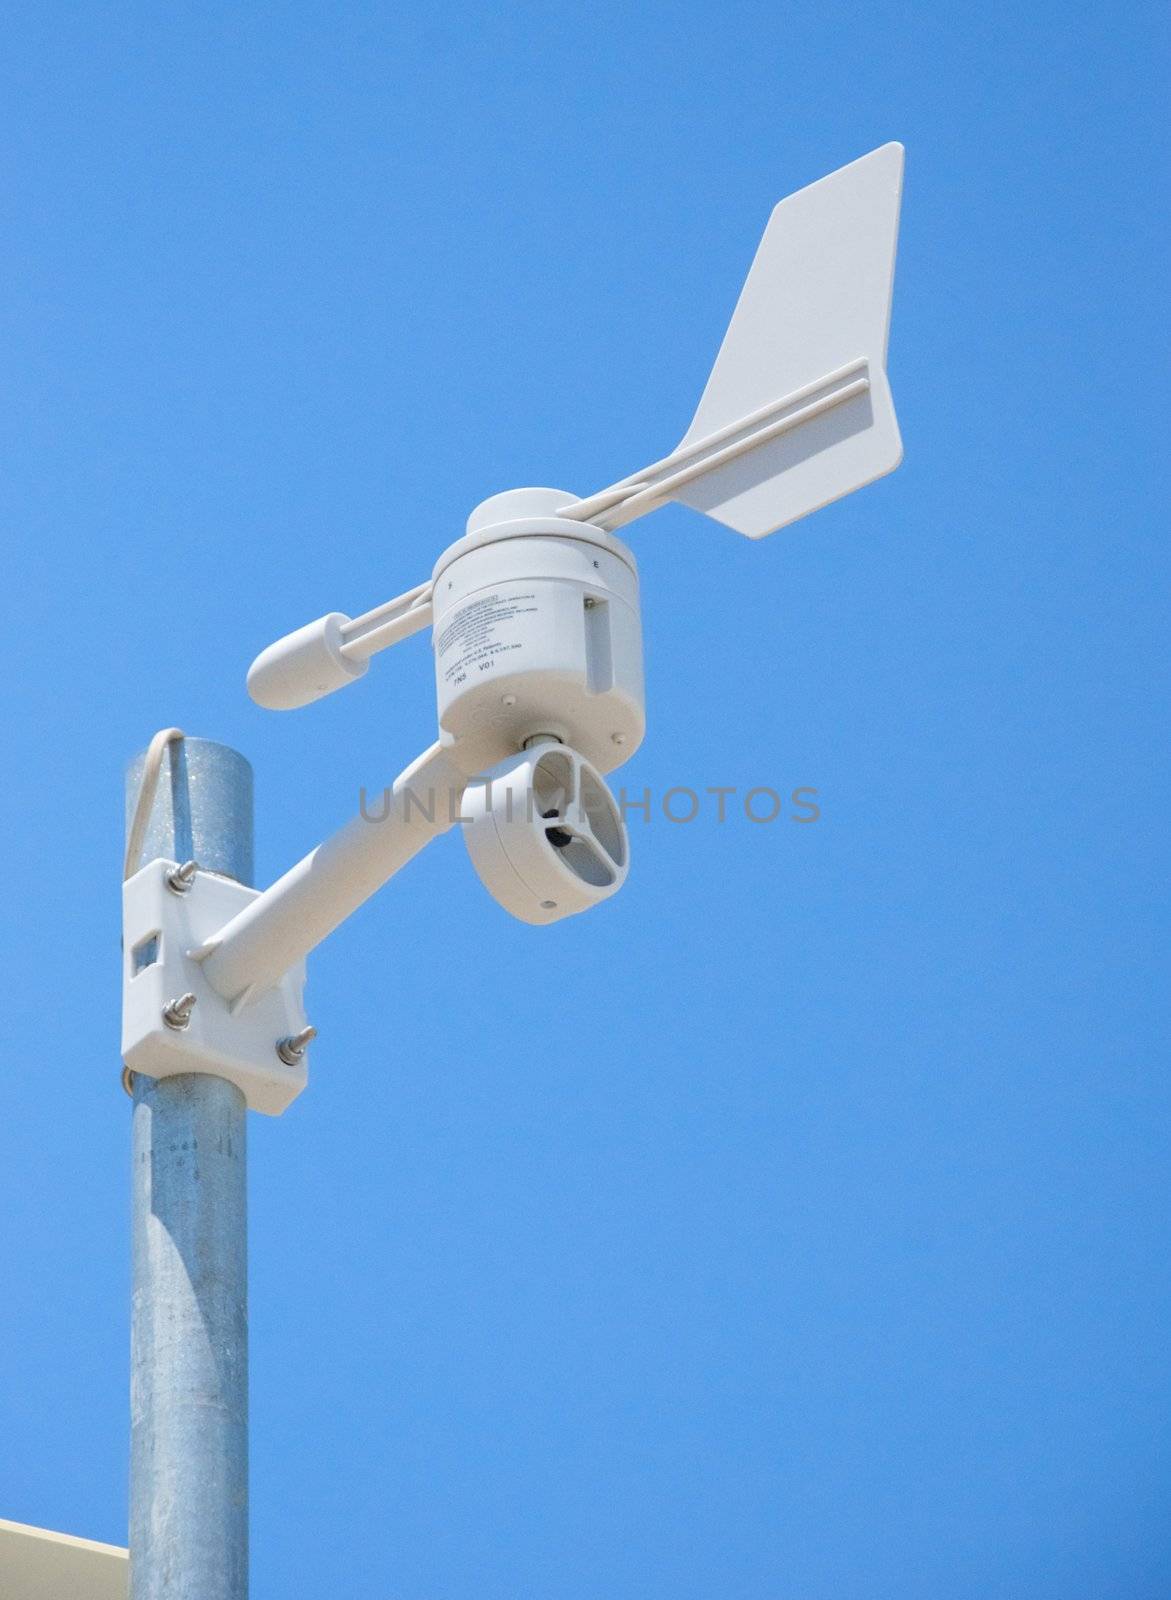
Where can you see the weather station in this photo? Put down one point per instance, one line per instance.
(535, 619)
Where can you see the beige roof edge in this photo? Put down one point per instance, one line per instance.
(39, 1564)
(62, 1538)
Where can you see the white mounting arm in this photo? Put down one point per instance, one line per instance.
(213, 972)
(278, 929)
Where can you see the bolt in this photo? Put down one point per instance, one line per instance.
(590, 602)
(180, 879)
(507, 699)
(292, 1049)
(177, 1013)
(618, 738)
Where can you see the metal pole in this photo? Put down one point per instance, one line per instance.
(189, 1305)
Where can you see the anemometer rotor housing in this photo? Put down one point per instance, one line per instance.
(545, 834)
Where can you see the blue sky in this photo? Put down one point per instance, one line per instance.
(795, 1227)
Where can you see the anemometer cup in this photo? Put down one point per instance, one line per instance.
(545, 834)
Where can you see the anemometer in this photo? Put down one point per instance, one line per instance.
(537, 640)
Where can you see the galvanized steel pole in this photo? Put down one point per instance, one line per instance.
(189, 1305)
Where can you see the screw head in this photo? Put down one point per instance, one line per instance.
(177, 1013)
(292, 1049)
(181, 879)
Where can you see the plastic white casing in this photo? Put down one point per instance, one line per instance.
(537, 630)
(545, 834)
(303, 666)
(164, 934)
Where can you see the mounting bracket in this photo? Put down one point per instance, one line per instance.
(174, 1021)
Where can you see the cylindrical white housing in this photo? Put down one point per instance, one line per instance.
(303, 666)
(537, 631)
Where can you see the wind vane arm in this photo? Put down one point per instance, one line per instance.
(655, 485)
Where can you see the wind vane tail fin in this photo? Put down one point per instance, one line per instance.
(797, 411)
